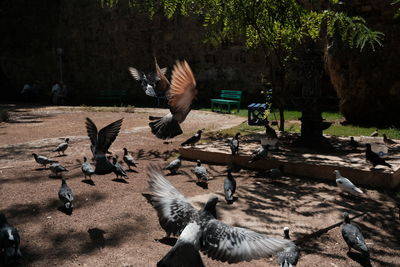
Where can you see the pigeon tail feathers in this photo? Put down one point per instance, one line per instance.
(166, 127)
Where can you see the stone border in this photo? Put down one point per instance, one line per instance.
(374, 178)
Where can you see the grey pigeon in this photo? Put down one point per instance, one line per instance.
(43, 160)
(180, 96)
(118, 170)
(346, 185)
(62, 147)
(216, 239)
(174, 165)
(87, 168)
(290, 255)
(374, 158)
(276, 172)
(352, 235)
(201, 172)
(229, 187)
(101, 142)
(388, 141)
(66, 196)
(375, 133)
(194, 139)
(9, 241)
(234, 144)
(57, 168)
(260, 153)
(353, 143)
(128, 159)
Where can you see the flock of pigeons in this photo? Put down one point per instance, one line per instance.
(197, 230)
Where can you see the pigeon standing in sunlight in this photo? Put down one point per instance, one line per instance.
(62, 147)
(260, 153)
(346, 185)
(374, 158)
(9, 241)
(352, 235)
(101, 142)
(180, 96)
(128, 159)
(43, 160)
(353, 143)
(388, 141)
(174, 165)
(234, 144)
(118, 170)
(290, 255)
(200, 230)
(57, 168)
(201, 173)
(194, 139)
(229, 187)
(66, 196)
(87, 168)
(375, 133)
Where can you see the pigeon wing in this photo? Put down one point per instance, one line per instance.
(91, 131)
(108, 134)
(183, 89)
(173, 209)
(235, 244)
(164, 83)
(136, 74)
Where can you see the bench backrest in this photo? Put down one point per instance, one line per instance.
(231, 94)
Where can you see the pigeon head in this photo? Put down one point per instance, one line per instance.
(237, 135)
(286, 233)
(35, 155)
(66, 140)
(346, 218)
(368, 146)
(384, 136)
(63, 181)
(3, 219)
(84, 159)
(199, 131)
(114, 160)
(337, 173)
(125, 150)
(351, 138)
(180, 157)
(198, 162)
(210, 206)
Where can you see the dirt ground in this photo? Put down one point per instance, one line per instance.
(114, 225)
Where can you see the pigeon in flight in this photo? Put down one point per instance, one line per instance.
(374, 158)
(214, 238)
(229, 187)
(101, 142)
(180, 96)
(375, 133)
(118, 170)
(353, 143)
(9, 241)
(174, 165)
(290, 255)
(201, 173)
(57, 168)
(352, 235)
(346, 185)
(194, 139)
(260, 153)
(87, 168)
(234, 144)
(128, 159)
(62, 147)
(43, 160)
(388, 141)
(66, 196)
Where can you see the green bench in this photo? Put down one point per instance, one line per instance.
(227, 99)
(111, 96)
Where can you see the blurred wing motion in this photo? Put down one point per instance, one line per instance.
(136, 74)
(164, 84)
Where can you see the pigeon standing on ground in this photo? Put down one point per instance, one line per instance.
(180, 96)
(118, 170)
(62, 147)
(101, 142)
(374, 158)
(66, 196)
(352, 235)
(201, 173)
(276, 172)
(174, 165)
(128, 159)
(9, 240)
(290, 255)
(219, 241)
(375, 133)
(87, 168)
(353, 143)
(43, 160)
(194, 139)
(229, 187)
(260, 153)
(234, 144)
(388, 141)
(346, 185)
(57, 168)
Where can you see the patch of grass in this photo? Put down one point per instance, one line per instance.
(4, 115)
(351, 130)
(243, 128)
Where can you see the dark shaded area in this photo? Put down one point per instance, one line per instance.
(120, 180)
(170, 241)
(97, 237)
(88, 181)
